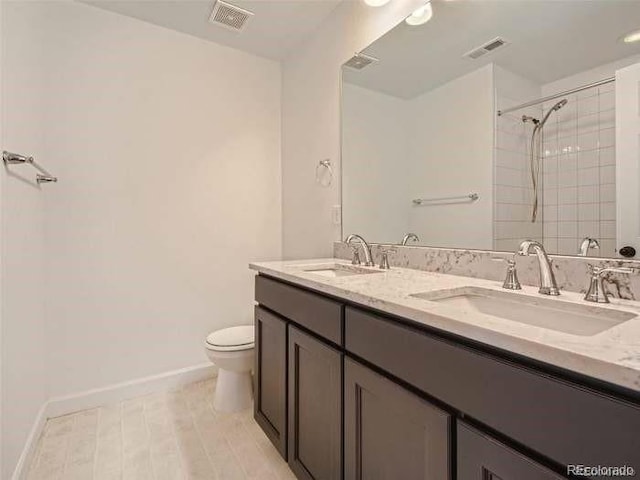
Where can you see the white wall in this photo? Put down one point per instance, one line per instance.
(395, 150)
(311, 120)
(627, 118)
(24, 389)
(168, 150)
(1, 247)
(451, 153)
(375, 164)
(588, 76)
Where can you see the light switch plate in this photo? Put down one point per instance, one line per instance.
(336, 214)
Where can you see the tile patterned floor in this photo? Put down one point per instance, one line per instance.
(169, 436)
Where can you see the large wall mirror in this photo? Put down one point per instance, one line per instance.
(494, 122)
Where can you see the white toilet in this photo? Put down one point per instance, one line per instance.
(231, 349)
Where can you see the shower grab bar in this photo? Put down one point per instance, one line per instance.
(15, 158)
(471, 197)
(557, 95)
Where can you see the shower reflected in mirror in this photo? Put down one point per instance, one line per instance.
(514, 123)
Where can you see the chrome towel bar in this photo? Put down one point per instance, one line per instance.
(15, 158)
(472, 197)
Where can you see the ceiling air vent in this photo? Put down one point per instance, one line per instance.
(488, 47)
(360, 61)
(230, 16)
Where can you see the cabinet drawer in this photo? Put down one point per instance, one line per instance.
(553, 417)
(482, 457)
(317, 313)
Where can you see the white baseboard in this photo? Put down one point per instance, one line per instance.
(21, 470)
(97, 397)
(58, 406)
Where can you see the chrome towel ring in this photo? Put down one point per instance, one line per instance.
(324, 173)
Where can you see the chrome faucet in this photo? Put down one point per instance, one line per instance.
(587, 243)
(409, 236)
(548, 284)
(368, 261)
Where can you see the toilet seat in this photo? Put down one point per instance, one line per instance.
(231, 339)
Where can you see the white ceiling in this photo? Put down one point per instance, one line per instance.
(277, 27)
(550, 39)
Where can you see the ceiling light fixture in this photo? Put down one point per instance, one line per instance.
(420, 16)
(632, 37)
(376, 3)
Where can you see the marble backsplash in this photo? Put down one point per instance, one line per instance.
(572, 273)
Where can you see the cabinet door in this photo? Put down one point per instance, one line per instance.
(390, 433)
(270, 389)
(482, 458)
(315, 437)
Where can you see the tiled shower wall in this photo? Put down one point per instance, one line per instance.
(579, 172)
(512, 183)
(513, 189)
(577, 192)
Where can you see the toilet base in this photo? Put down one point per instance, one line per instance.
(234, 391)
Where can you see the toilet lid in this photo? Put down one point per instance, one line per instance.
(233, 338)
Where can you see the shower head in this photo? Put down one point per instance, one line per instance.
(555, 108)
(559, 105)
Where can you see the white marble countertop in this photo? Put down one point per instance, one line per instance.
(612, 355)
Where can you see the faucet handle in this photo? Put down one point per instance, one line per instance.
(384, 256)
(511, 281)
(511, 261)
(355, 260)
(600, 271)
(596, 291)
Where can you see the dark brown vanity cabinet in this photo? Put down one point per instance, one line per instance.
(347, 393)
(315, 435)
(558, 418)
(270, 376)
(389, 432)
(480, 457)
(298, 386)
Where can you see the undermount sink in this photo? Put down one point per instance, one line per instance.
(549, 313)
(338, 270)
